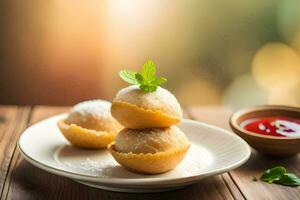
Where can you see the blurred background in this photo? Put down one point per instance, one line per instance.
(231, 52)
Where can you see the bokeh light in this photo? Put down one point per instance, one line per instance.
(199, 92)
(59, 53)
(276, 65)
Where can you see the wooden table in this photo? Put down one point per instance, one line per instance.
(21, 180)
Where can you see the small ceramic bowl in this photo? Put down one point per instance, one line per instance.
(270, 145)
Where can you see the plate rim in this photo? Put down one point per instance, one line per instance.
(143, 181)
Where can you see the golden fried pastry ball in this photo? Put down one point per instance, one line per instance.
(150, 151)
(90, 125)
(151, 140)
(136, 109)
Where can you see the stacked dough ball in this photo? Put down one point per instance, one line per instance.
(149, 143)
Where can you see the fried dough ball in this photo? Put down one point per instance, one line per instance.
(151, 140)
(150, 151)
(90, 125)
(136, 109)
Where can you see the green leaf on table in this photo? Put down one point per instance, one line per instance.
(288, 179)
(146, 79)
(273, 174)
(279, 175)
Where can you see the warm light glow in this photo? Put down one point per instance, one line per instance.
(276, 65)
(61, 52)
(199, 91)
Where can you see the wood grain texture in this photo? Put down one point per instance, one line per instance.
(29, 182)
(257, 163)
(13, 120)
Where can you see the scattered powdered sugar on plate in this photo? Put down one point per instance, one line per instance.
(101, 164)
(97, 168)
(197, 158)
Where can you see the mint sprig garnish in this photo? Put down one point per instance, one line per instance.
(279, 175)
(146, 79)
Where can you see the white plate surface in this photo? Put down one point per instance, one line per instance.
(213, 151)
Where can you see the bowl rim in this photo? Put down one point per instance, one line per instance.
(236, 127)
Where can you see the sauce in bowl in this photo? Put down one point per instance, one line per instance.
(279, 126)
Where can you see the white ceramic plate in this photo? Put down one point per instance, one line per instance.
(213, 151)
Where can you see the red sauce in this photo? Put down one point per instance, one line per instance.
(273, 126)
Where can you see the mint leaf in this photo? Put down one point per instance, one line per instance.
(279, 176)
(288, 179)
(148, 70)
(146, 79)
(129, 76)
(273, 174)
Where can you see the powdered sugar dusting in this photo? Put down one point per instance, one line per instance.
(161, 99)
(150, 140)
(195, 160)
(92, 166)
(96, 108)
